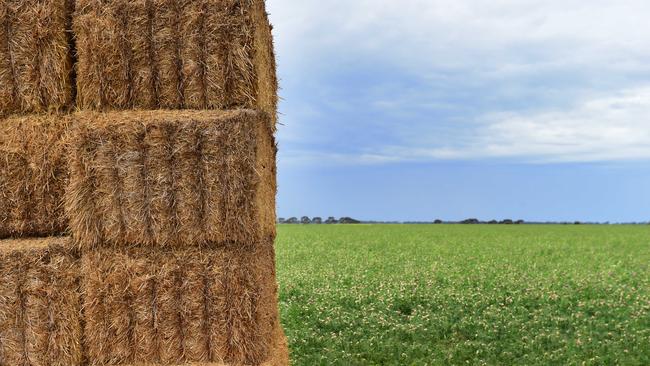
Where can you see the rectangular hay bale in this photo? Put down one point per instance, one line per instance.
(175, 54)
(146, 306)
(35, 56)
(40, 307)
(33, 175)
(171, 178)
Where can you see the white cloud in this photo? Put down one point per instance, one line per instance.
(611, 128)
(607, 128)
(590, 59)
(453, 33)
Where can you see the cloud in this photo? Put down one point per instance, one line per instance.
(609, 128)
(613, 127)
(379, 81)
(453, 33)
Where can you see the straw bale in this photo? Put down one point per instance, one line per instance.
(278, 354)
(171, 178)
(175, 54)
(35, 56)
(33, 175)
(178, 306)
(113, 53)
(40, 308)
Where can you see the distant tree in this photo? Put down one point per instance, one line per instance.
(281, 220)
(348, 220)
(493, 222)
(317, 220)
(331, 220)
(292, 220)
(438, 222)
(520, 222)
(305, 220)
(577, 223)
(470, 222)
(507, 222)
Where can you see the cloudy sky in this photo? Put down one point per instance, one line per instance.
(424, 109)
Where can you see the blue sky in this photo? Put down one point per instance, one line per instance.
(425, 109)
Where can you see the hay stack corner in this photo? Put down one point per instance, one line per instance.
(145, 131)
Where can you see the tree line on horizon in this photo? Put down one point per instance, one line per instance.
(348, 220)
(318, 220)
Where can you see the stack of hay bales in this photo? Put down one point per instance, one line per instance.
(163, 178)
(40, 294)
(173, 212)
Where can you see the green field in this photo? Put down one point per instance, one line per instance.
(470, 295)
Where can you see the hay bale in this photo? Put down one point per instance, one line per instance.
(278, 354)
(171, 178)
(40, 305)
(178, 306)
(175, 54)
(35, 55)
(33, 175)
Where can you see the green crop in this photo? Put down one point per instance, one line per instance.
(470, 295)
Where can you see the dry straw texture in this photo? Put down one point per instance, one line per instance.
(40, 306)
(171, 178)
(175, 54)
(33, 175)
(278, 355)
(172, 307)
(35, 61)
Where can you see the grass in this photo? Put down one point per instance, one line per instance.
(477, 295)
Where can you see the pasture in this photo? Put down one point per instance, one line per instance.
(464, 294)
